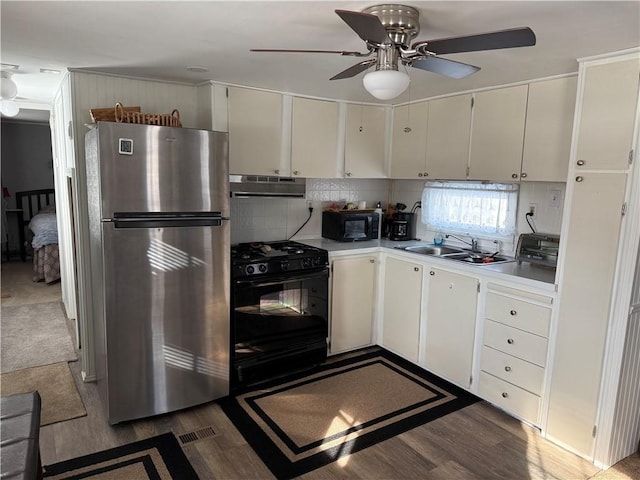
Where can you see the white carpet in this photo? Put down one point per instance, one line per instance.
(33, 335)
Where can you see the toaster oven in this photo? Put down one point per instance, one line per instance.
(538, 249)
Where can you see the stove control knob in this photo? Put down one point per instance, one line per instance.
(284, 265)
(317, 261)
(262, 267)
(250, 270)
(306, 262)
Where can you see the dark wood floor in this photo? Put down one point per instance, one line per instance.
(477, 442)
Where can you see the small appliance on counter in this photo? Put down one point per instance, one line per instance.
(538, 249)
(350, 225)
(401, 225)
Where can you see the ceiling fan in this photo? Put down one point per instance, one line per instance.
(388, 30)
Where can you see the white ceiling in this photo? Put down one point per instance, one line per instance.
(158, 40)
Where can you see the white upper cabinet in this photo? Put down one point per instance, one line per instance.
(364, 150)
(547, 138)
(449, 128)
(409, 141)
(255, 131)
(497, 134)
(314, 138)
(607, 116)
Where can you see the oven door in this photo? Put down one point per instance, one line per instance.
(279, 321)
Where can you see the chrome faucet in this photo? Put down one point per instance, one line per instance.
(473, 243)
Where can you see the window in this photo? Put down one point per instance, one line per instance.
(470, 207)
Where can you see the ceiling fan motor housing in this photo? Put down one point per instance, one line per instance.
(401, 22)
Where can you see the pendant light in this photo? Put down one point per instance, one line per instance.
(386, 82)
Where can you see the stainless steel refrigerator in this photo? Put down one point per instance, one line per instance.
(159, 242)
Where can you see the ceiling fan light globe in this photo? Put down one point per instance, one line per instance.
(8, 88)
(9, 108)
(386, 84)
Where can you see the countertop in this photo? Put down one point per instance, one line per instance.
(524, 270)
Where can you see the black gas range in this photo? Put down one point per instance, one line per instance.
(279, 309)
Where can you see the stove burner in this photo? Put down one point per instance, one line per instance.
(259, 258)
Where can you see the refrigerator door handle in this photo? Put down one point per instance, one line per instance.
(159, 220)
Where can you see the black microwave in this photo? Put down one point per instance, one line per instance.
(350, 225)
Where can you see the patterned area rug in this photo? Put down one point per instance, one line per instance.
(302, 422)
(158, 458)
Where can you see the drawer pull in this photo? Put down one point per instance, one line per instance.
(507, 368)
(416, 269)
(513, 313)
(510, 341)
(505, 395)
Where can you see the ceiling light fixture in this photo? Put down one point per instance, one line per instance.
(8, 92)
(386, 82)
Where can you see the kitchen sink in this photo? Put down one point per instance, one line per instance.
(431, 250)
(478, 259)
(458, 254)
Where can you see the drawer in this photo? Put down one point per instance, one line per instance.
(518, 313)
(513, 399)
(513, 370)
(515, 342)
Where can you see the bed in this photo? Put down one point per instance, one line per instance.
(38, 233)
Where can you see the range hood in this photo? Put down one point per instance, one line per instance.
(248, 186)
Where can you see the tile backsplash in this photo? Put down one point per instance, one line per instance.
(272, 219)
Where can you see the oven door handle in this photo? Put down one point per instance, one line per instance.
(274, 280)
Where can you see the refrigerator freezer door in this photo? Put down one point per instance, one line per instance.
(166, 317)
(146, 168)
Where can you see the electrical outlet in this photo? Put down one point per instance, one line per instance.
(532, 209)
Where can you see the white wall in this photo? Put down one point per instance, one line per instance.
(548, 217)
(277, 219)
(273, 219)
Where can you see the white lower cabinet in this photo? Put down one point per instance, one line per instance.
(353, 281)
(514, 350)
(451, 320)
(510, 397)
(402, 296)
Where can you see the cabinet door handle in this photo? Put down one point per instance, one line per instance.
(510, 341)
(372, 261)
(425, 174)
(523, 175)
(580, 163)
(416, 269)
(420, 174)
(348, 174)
(295, 172)
(276, 171)
(432, 273)
(513, 313)
(505, 395)
(514, 175)
(507, 368)
(579, 178)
